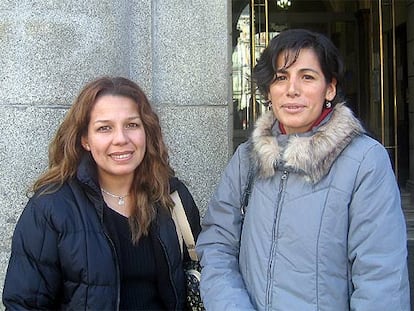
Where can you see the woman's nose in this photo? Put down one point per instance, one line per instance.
(120, 136)
(293, 89)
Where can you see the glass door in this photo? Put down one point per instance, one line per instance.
(388, 119)
(371, 36)
(252, 29)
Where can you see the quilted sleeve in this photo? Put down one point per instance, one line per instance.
(222, 285)
(377, 240)
(33, 278)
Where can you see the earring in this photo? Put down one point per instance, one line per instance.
(269, 104)
(328, 104)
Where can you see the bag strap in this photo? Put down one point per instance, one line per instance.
(247, 191)
(183, 227)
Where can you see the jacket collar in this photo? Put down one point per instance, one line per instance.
(87, 176)
(87, 173)
(310, 154)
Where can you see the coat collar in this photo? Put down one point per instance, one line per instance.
(311, 154)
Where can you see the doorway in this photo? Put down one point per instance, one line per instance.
(371, 36)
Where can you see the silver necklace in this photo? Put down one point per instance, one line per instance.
(121, 198)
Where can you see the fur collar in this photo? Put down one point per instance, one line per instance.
(311, 156)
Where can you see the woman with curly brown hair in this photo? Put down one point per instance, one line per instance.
(98, 233)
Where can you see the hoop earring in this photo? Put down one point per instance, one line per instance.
(328, 104)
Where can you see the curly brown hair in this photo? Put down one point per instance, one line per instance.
(151, 179)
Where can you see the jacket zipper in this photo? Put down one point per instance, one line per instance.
(99, 211)
(169, 271)
(282, 186)
(118, 280)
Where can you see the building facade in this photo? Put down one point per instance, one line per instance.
(176, 50)
(375, 39)
(193, 59)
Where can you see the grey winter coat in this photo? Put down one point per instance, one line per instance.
(323, 230)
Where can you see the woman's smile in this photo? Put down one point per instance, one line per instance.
(121, 156)
(293, 108)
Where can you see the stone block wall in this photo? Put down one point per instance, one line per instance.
(176, 50)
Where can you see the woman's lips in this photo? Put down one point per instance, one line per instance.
(292, 108)
(121, 156)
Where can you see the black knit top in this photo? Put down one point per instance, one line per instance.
(138, 271)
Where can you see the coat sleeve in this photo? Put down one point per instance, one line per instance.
(222, 285)
(33, 277)
(377, 239)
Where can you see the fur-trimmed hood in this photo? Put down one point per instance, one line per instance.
(311, 156)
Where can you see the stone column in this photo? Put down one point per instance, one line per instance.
(48, 50)
(191, 88)
(178, 51)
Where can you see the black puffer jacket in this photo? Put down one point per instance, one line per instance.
(62, 256)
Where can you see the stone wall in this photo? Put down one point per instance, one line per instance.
(176, 50)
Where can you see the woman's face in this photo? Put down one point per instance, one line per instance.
(299, 92)
(116, 137)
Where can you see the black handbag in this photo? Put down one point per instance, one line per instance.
(192, 268)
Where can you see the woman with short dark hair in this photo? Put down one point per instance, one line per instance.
(323, 228)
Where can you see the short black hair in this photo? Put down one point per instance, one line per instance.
(293, 41)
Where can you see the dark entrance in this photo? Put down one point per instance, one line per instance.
(371, 36)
